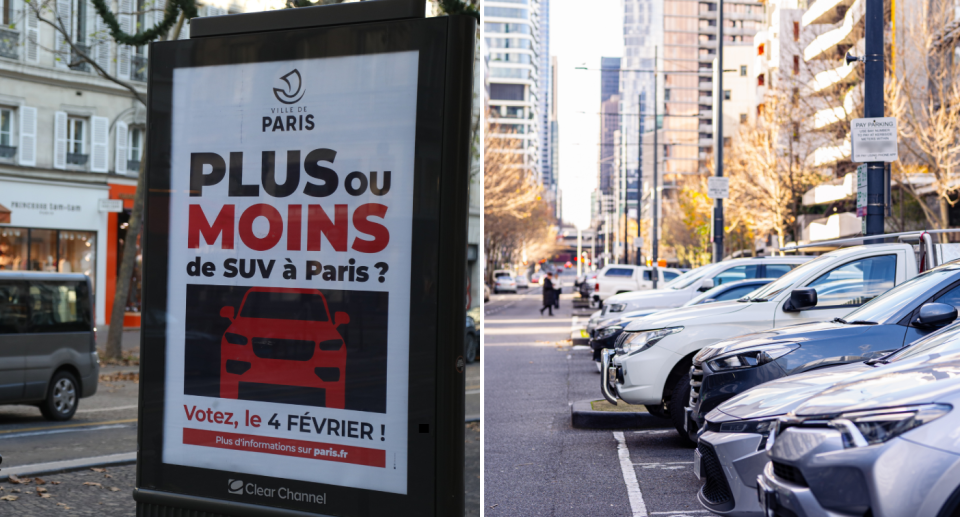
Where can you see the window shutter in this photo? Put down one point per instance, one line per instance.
(61, 47)
(60, 140)
(120, 149)
(100, 135)
(98, 38)
(125, 19)
(27, 153)
(31, 35)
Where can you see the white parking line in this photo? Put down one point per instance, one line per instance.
(59, 431)
(97, 410)
(637, 505)
(679, 513)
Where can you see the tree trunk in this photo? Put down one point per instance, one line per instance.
(115, 335)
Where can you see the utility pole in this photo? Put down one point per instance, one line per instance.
(640, 113)
(655, 230)
(718, 140)
(579, 253)
(623, 189)
(873, 107)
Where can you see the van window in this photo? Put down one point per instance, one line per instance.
(59, 307)
(619, 271)
(13, 308)
(647, 276)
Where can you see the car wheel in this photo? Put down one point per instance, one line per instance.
(657, 410)
(677, 405)
(62, 397)
(470, 349)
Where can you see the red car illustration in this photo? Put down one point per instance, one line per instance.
(282, 346)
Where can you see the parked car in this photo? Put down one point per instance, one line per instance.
(896, 318)
(732, 447)
(884, 444)
(606, 336)
(471, 343)
(626, 278)
(690, 285)
(504, 283)
(522, 282)
(48, 348)
(651, 362)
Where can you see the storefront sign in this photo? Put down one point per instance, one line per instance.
(110, 205)
(294, 236)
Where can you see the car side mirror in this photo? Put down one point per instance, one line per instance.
(801, 299)
(933, 315)
(707, 284)
(227, 312)
(340, 318)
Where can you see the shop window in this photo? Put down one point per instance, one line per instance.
(43, 250)
(76, 141)
(13, 249)
(135, 149)
(77, 252)
(8, 147)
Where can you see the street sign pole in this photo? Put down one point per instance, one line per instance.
(718, 139)
(317, 369)
(655, 229)
(873, 108)
(640, 174)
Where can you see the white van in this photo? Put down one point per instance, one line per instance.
(652, 359)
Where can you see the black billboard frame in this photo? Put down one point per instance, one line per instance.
(446, 48)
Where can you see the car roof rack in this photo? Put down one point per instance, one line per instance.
(854, 241)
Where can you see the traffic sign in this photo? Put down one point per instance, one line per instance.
(303, 352)
(874, 139)
(718, 187)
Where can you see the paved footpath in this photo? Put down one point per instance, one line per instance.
(535, 462)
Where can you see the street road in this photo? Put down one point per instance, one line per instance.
(535, 463)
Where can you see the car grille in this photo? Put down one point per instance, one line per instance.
(696, 379)
(288, 349)
(789, 473)
(715, 490)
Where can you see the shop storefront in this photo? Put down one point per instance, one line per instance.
(54, 227)
(117, 224)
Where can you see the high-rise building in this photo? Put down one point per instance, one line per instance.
(609, 121)
(554, 135)
(545, 87)
(512, 31)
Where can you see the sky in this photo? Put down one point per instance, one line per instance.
(580, 36)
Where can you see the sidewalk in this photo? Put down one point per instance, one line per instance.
(108, 492)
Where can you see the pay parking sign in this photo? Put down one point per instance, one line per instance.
(874, 139)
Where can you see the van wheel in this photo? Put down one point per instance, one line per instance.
(678, 401)
(62, 396)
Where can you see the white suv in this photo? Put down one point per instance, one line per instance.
(624, 278)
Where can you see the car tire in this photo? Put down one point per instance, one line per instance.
(656, 410)
(677, 405)
(470, 349)
(63, 395)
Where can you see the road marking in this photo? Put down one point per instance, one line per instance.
(87, 424)
(58, 431)
(97, 410)
(680, 512)
(666, 465)
(653, 432)
(637, 506)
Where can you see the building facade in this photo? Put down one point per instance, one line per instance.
(545, 87)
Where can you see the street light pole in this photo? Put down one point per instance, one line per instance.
(639, 170)
(718, 140)
(655, 255)
(873, 107)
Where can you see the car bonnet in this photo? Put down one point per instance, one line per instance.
(685, 315)
(793, 334)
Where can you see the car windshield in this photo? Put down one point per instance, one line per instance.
(284, 306)
(683, 281)
(774, 288)
(944, 342)
(891, 302)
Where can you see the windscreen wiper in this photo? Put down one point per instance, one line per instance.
(840, 320)
(860, 322)
(878, 360)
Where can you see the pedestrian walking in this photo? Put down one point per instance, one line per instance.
(547, 295)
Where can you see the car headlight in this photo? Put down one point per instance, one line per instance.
(608, 331)
(633, 342)
(617, 307)
(749, 426)
(750, 357)
(706, 353)
(864, 428)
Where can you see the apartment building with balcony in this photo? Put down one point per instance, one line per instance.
(71, 140)
(511, 32)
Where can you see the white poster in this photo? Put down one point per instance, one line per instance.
(289, 269)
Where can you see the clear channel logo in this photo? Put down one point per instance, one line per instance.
(293, 90)
(235, 486)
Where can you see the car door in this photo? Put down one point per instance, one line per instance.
(842, 289)
(13, 327)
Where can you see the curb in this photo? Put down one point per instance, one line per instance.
(56, 467)
(583, 416)
(579, 337)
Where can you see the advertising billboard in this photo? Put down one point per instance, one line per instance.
(302, 205)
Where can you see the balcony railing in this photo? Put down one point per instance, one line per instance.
(7, 151)
(9, 43)
(77, 62)
(133, 166)
(77, 159)
(138, 72)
